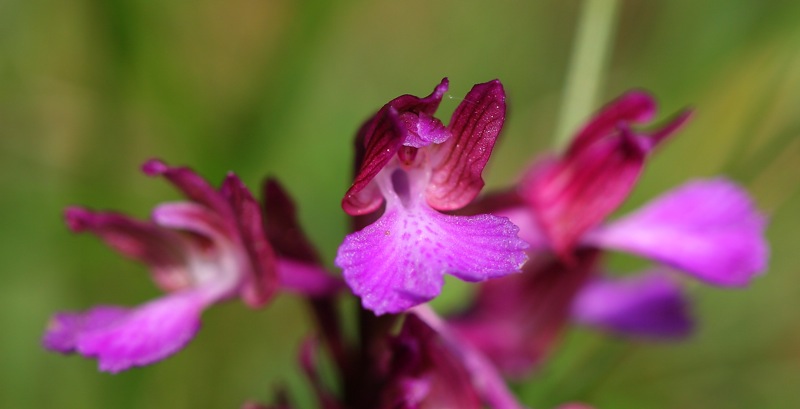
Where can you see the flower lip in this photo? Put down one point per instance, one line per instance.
(400, 260)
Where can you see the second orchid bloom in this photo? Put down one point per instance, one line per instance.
(407, 159)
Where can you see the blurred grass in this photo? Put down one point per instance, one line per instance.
(90, 89)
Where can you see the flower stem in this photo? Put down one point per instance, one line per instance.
(586, 67)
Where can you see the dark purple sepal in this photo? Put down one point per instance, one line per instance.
(299, 265)
(416, 105)
(459, 161)
(282, 225)
(516, 320)
(572, 194)
(382, 137)
(630, 108)
(650, 305)
(263, 280)
(161, 249)
(406, 119)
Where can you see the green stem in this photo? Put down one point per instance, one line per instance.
(587, 65)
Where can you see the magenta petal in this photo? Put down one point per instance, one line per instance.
(459, 161)
(708, 228)
(649, 305)
(399, 261)
(150, 332)
(65, 328)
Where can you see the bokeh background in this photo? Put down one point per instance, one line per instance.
(91, 88)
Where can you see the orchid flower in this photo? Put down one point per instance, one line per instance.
(205, 250)
(418, 167)
(707, 229)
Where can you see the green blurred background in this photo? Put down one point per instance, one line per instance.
(91, 88)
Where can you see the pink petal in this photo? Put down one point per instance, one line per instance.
(399, 261)
(121, 339)
(65, 328)
(460, 160)
(649, 305)
(709, 228)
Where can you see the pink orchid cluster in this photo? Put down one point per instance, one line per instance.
(535, 249)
